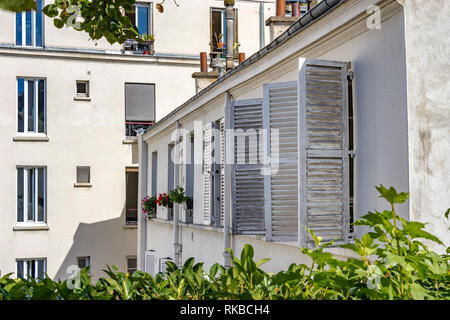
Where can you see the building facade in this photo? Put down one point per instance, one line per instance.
(333, 102)
(70, 110)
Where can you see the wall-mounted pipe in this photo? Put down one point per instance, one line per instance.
(227, 181)
(176, 207)
(229, 17)
(142, 192)
(262, 42)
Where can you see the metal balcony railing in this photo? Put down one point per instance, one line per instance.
(131, 127)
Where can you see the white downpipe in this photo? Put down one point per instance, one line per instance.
(142, 192)
(176, 208)
(227, 182)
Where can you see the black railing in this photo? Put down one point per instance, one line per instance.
(131, 127)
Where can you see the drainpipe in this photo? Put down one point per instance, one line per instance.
(229, 17)
(176, 208)
(228, 154)
(142, 192)
(261, 25)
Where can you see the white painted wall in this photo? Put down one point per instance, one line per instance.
(428, 69)
(89, 221)
(378, 60)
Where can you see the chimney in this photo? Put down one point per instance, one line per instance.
(204, 78)
(241, 57)
(280, 23)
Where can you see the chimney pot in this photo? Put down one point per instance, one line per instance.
(281, 8)
(241, 57)
(203, 62)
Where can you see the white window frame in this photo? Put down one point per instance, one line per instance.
(33, 27)
(82, 95)
(128, 268)
(35, 109)
(25, 266)
(88, 260)
(25, 196)
(149, 6)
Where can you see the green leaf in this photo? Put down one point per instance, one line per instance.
(50, 10)
(391, 194)
(18, 5)
(58, 23)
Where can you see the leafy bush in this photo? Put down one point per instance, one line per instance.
(393, 264)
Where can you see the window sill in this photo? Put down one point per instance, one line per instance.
(82, 185)
(188, 225)
(29, 227)
(130, 226)
(129, 141)
(81, 98)
(31, 138)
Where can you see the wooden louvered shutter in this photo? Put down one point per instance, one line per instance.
(222, 170)
(247, 179)
(150, 262)
(280, 115)
(323, 108)
(207, 173)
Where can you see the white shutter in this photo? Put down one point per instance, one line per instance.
(323, 150)
(207, 173)
(280, 115)
(247, 179)
(150, 262)
(222, 170)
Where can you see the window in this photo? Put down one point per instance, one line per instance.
(139, 107)
(29, 27)
(154, 174)
(190, 166)
(31, 194)
(131, 264)
(31, 109)
(142, 17)
(170, 176)
(82, 88)
(31, 268)
(131, 196)
(219, 30)
(83, 262)
(83, 174)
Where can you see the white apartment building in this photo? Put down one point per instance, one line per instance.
(350, 97)
(69, 109)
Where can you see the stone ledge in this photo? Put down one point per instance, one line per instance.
(281, 20)
(31, 138)
(43, 227)
(75, 98)
(82, 185)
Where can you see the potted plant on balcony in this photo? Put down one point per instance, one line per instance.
(164, 200)
(177, 195)
(148, 205)
(145, 43)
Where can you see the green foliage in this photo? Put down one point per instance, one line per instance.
(17, 5)
(177, 195)
(391, 263)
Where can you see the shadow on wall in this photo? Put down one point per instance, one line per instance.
(106, 242)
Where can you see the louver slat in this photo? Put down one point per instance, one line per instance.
(281, 117)
(247, 178)
(324, 160)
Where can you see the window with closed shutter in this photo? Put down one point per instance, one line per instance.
(324, 166)
(247, 179)
(139, 107)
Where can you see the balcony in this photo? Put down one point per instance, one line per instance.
(132, 127)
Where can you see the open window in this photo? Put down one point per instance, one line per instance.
(219, 31)
(142, 18)
(131, 196)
